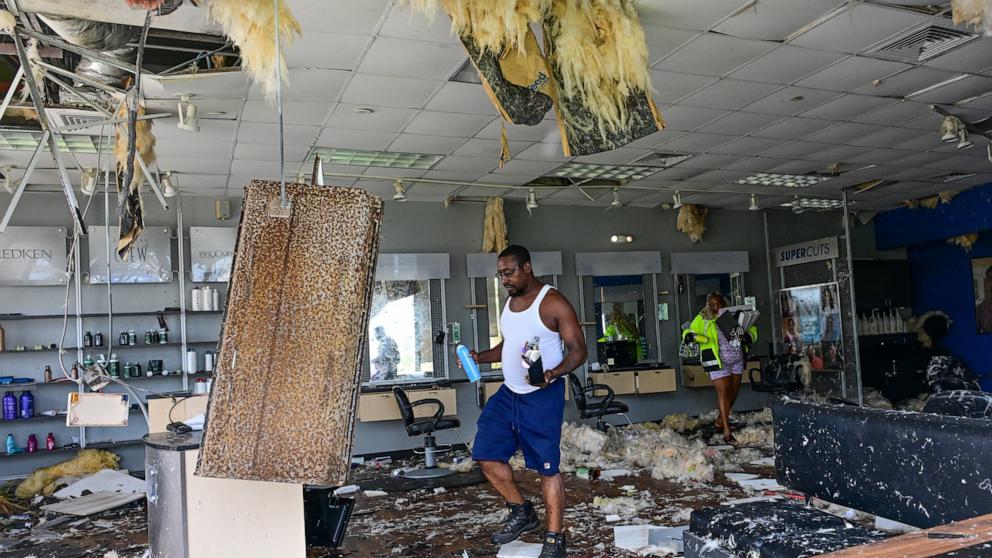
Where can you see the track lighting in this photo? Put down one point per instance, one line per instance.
(399, 190)
(7, 184)
(617, 202)
(950, 129)
(169, 188)
(621, 239)
(531, 200)
(797, 207)
(88, 183)
(963, 141)
(754, 204)
(677, 199)
(189, 120)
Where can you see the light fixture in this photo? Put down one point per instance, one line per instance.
(949, 129)
(617, 202)
(677, 200)
(7, 184)
(611, 172)
(88, 183)
(189, 120)
(362, 158)
(621, 239)
(963, 141)
(399, 190)
(754, 204)
(783, 180)
(169, 189)
(531, 200)
(797, 206)
(364, 110)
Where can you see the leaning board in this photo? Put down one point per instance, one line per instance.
(282, 406)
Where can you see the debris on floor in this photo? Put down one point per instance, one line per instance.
(107, 480)
(649, 540)
(46, 480)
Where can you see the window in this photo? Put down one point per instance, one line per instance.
(622, 336)
(401, 332)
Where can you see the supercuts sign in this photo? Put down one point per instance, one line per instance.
(32, 256)
(805, 252)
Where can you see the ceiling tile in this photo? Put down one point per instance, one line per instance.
(847, 107)
(880, 156)
(790, 101)
(746, 146)
(447, 124)
(538, 151)
(431, 192)
(195, 181)
(707, 162)
(698, 14)
(393, 172)
(739, 123)
(839, 154)
(405, 23)
(210, 130)
(728, 94)
(794, 150)
(797, 167)
(369, 90)
(888, 137)
(959, 90)
(755, 164)
(614, 157)
(228, 84)
(792, 128)
(266, 133)
(529, 168)
(775, 20)
(309, 85)
(672, 86)
(696, 143)
(718, 176)
(483, 192)
(841, 133)
(298, 113)
(469, 98)
(507, 178)
(326, 50)
(412, 59)
(378, 188)
(785, 65)
(545, 129)
(355, 139)
(677, 173)
(259, 169)
(383, 119)
(216, 165)
(904, 83)
(900, 113)
(416, 143)
(456, 176)
(349, 16)
(970, 57)
(466, 164)
(917, 159)
(192, 148)
(688, 118)
(851, 73)
(713, 55)
(663, 40)
(854, 31)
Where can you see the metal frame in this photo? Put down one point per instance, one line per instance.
(854, 307)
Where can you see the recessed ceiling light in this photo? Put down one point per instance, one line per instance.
(362, 158)
(613, 172)
(364, 110)
(21, 140)
(783, 180)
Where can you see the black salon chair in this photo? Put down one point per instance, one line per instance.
(426, 427)
(596, 409)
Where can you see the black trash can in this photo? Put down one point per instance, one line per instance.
(325, 516)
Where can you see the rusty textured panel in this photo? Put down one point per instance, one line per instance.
(283, 402)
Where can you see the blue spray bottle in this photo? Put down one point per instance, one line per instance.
(11, 446)
(468, 363)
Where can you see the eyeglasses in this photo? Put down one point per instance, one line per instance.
(506, 273)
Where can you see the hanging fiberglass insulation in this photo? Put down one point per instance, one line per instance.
(499, 41)
(692, 221)
(973, 12)
(599, 60)
(494, 227)
(130, 209)
(251, 25)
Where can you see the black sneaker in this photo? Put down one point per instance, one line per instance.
(554, 545)
(522, 518)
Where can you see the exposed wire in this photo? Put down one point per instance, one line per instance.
(132, 116)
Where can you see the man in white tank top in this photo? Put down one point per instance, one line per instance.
(524, 415)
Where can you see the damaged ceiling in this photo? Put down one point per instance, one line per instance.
(769, 86)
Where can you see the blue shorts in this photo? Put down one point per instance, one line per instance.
(530, 422)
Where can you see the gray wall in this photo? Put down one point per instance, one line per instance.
(420, 227)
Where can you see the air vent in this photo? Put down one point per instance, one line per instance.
(73, 118)
(952, 176)
(923, 44)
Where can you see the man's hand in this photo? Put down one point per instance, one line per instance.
(549, 377)
(475, 357)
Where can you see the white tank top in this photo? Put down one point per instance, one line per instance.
(519, 328)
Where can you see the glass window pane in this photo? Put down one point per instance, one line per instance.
(618, 303)
(400, 340)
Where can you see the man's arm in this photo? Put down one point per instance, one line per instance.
(492, 355)
(571, 335)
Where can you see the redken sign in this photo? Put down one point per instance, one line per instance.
(805, 252)
(32, 256)
(150, 260)
(211, 253)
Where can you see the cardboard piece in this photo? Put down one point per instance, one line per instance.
(649, 539)
(519, 549)
(106, 480)
(97, 409)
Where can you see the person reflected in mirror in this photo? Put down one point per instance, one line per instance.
(387, 360)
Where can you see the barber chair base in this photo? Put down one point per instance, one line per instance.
(428, 473)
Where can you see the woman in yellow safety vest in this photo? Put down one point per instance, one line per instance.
(722, 358)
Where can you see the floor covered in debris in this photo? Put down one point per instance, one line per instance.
(653, 473)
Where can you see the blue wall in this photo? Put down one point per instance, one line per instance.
(941, 271)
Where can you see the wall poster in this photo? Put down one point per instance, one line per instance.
(981, 280)
(811, 325)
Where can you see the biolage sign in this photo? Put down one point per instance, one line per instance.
(32, 256)
(805, 252)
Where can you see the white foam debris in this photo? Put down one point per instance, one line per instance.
(682, 515)
(519, 549)
(439, 490)
(624, 506)
(375, 493)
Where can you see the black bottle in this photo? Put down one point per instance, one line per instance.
(98, 339)
(88, 339)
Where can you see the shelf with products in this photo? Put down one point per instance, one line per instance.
(94, 445)
(43, 418)
(16, 317)
(116, 347)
